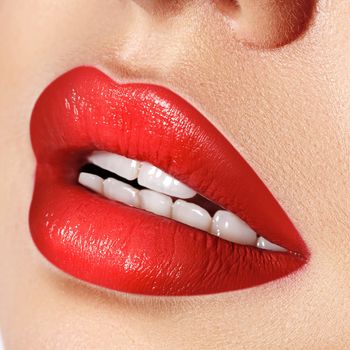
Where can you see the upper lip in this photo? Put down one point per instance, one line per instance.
(84, 110)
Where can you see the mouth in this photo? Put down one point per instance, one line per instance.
(137, 191)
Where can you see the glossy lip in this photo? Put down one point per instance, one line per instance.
(127, 249)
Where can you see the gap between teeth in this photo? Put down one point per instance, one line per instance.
(156, 199)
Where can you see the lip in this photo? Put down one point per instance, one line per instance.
(127, 249)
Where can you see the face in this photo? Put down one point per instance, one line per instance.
(274, 80)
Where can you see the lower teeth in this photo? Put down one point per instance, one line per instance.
(223, 224)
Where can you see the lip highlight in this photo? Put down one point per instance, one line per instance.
(128, 249)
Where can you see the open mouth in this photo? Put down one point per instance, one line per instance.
(142, 185)
(136, 191)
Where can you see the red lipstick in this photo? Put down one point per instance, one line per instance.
(128, 249)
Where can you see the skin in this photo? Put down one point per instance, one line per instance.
(279, 91)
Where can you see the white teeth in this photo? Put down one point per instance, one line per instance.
(122, 166)
(148, 175)
(230, 227)
(191, 214)
(121, 192)
(91, 181)
(263, 243)
(155, 202)
(157, 199)
(157, 180)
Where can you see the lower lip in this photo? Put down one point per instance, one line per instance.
(127, 249)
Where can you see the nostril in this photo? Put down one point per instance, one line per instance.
(267, 23)
(229, 8)
(161, 8)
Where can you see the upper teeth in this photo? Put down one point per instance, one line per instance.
(157, 200)
(191, 214)
(157, 180)
(146, 174)
(122, 166)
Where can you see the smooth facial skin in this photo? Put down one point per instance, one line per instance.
(278, 89)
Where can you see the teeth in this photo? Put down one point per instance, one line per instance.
(157, 180)
(148, 175)
(91, 181)
(122, 166)
(157, 199)
(263, 243)
(191, 214)
(121, 192)
(230, 227)
(155, 202)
